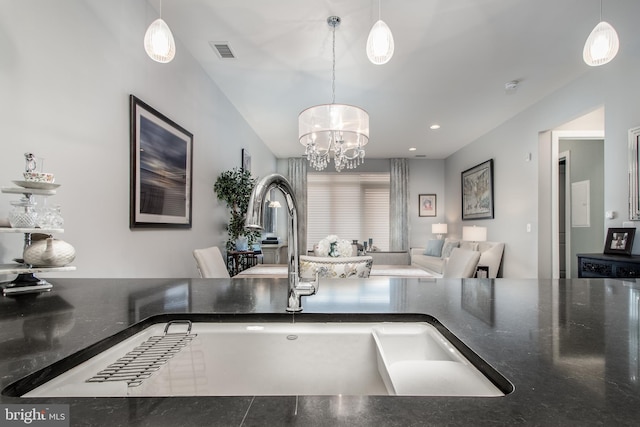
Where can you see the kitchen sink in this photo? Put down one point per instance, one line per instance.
(263, 354)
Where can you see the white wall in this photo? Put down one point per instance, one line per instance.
(67, 71)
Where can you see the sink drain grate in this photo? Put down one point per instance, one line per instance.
(141, 362)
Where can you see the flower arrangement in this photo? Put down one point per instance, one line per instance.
(334, 247)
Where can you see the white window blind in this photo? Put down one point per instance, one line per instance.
(353, 206)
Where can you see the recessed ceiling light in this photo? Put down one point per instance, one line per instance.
(412, 149)
(434, 127)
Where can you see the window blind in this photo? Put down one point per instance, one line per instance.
(352, 206)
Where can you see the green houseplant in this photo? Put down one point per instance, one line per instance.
(234, 188)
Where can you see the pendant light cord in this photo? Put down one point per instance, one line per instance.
(600, 10)
(333, 77)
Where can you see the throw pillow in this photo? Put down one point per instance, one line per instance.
(469, 246)
(434, 248)
(448, 247)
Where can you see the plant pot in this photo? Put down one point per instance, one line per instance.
(242, 244)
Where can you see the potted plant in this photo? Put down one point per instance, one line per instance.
(234, 188)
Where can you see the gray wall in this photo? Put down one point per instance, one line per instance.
(519, 198)
(67, 71)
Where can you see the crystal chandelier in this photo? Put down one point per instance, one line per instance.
(158, 41)
(334, 129)
(602, 44)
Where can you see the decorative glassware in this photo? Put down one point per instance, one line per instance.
(50, 218)
(23, 214)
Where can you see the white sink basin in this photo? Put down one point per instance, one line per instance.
(284, 358)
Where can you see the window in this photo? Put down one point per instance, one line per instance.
(351, 205)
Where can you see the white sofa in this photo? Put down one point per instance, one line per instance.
(435, 262)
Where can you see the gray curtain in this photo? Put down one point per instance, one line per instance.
(298, 179)
(399, 205)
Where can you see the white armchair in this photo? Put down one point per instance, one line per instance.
(461, 264)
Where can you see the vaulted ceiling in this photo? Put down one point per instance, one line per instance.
(451, 63)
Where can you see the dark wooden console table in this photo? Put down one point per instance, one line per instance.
(604, 265)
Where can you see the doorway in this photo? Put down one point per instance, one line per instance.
(578, 163)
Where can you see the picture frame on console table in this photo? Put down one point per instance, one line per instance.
(161, 169)
(477, 191)
(619, 241)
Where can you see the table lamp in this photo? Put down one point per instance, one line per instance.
(474, 234)
(439, 229)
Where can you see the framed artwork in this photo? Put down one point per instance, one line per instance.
(427, 205)
(246, 160)
(161, 169)
(619, 241)
(477, 191)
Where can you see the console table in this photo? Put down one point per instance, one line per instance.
(605, 265)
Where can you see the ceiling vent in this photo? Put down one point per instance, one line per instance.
(222, 49)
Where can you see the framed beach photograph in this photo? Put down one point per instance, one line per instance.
(161, 169)
(619, 241)
(477, 191)
(427, 205)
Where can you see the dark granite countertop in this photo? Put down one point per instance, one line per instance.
(570, 348)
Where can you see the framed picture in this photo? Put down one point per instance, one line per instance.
(161, 170)
(619, 241)
(477, 191)
(246, 160)
(427, 205)
(482, 272)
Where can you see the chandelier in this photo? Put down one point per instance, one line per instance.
(334, 130)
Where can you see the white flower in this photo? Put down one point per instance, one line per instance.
(323, 247)
(333, 246)
(344, 248)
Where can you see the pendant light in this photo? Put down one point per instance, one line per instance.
(158, 41)
(602, 44)
(380, 42)
(336, 130)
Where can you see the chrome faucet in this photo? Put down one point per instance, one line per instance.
(255, 220)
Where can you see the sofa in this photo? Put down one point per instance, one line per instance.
(433, 258)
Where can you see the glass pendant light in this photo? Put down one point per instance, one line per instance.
(158, 41)
(380, 42)
(602, 44)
